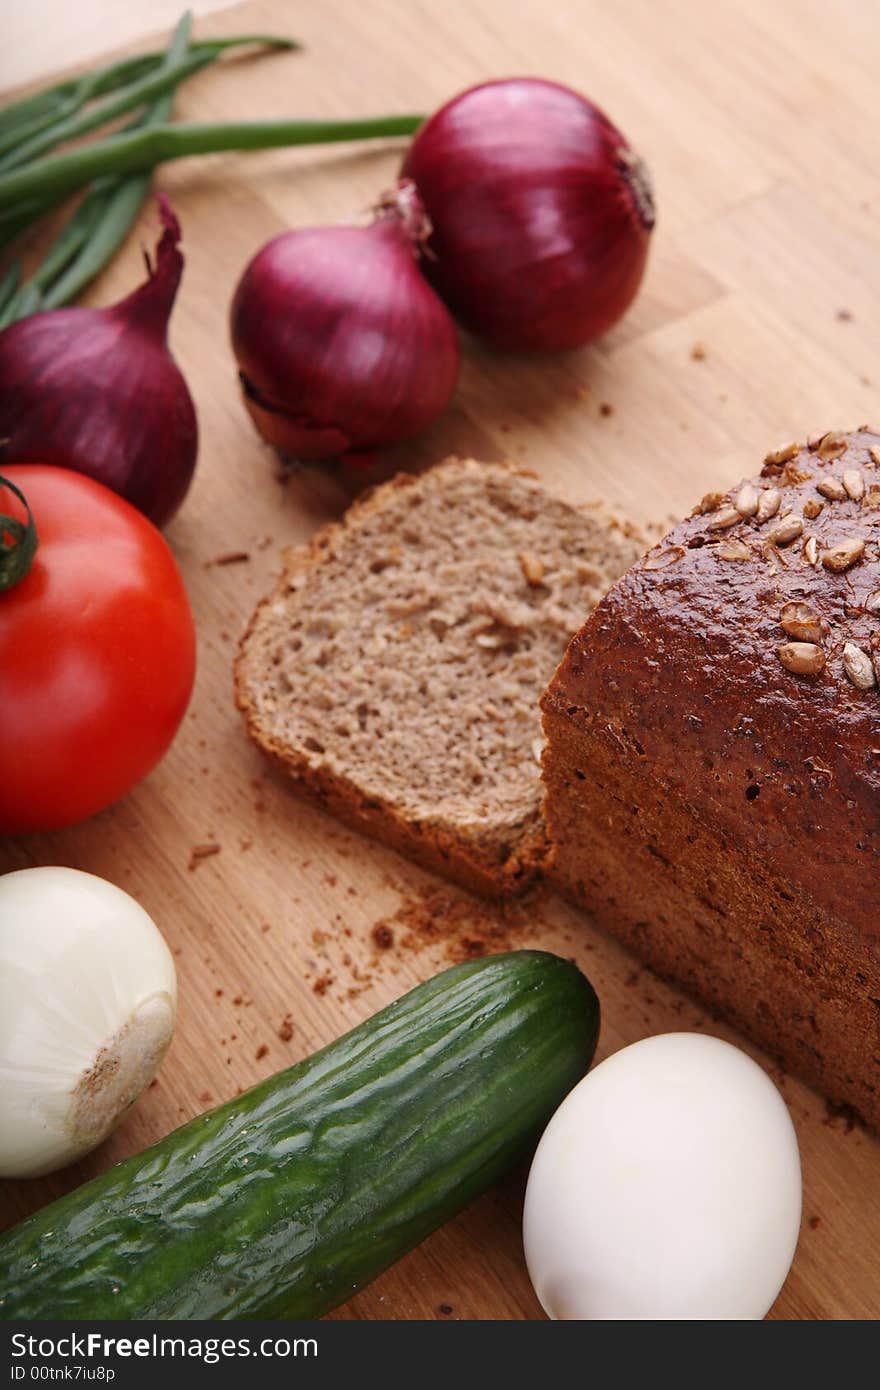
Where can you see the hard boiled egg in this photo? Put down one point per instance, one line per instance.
(666, 1185)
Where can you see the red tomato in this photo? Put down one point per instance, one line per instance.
(97, 653)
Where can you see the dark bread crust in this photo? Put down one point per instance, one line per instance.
(718, 811)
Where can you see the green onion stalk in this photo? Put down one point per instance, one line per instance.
(116, 170)
(144, 149)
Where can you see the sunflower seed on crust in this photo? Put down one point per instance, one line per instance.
(747, 500)
(710, 502)
(844, 554)
(812, 508)
(802, 658)
(854, 484)
(786, 530)
(733, 550)
(832, 488)
(783, 454)
(857, 665)
(768, 504)
(802, 622)
(811, 550)
(831, 446)
(872, 602)
(874, 456)
(728, 516)
(662, 559)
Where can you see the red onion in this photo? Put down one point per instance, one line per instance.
(96, 390)
(541, 213)
(342, 346)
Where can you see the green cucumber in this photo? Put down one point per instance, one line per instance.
(284, 1201)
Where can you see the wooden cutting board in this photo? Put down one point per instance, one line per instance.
(756, 325)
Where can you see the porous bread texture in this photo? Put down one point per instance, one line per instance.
(395, 671)
(712, 766)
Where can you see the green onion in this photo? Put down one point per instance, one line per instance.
(120, 211)
(9, 284)
(22, 119)
(116, 170)
(144, 149)
(56, 103)
(100, 223)
(29, 300)
(165, 77)
(145, 89)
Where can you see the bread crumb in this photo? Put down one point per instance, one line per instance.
(814, 1223)
(844, 1113)
(322, 984)
(261, 1052)
(205, 1098)
(200, 852)
(232, 557)
(698, 353)
(473, 947)
(285, 1032)
(606, 409)
(466, 927)
(383, 936)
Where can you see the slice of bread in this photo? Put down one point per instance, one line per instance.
(396, 669)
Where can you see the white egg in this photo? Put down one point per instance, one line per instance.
(667, 1185)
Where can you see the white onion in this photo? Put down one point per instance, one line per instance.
(88, 997)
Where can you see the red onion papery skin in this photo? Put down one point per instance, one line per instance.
(342, 345)
(96, 390)
(541, 214)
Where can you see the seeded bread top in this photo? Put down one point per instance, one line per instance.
(740, 660)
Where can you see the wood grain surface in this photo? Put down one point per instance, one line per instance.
(757, 324)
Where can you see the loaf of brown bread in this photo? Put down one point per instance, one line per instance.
(712, 766)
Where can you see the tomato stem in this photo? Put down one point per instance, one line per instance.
(18, 541)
